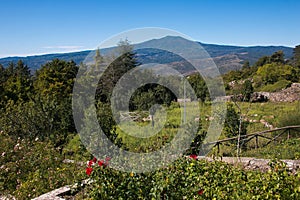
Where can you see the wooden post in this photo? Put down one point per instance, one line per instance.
(288, 136)
(218, 146)
(256, 141)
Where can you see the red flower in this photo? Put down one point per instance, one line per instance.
(107, 158)
(200, 192)
(100, 163)
(193, 156)
(88, 170)
(90, 163)
(94, 159)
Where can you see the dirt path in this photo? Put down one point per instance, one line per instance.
(255, 163)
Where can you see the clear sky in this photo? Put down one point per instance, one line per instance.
(43, 26)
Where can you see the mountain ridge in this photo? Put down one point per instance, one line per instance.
(226, 57)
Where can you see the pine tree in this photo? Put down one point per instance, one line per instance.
(98, 60)
(296, 58)
(122, 64)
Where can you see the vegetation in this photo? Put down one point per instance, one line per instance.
(269, 73)
(38, 132)
(275, 87)
(285, 149)
(232, 122)
(31, 168)
(188, 178)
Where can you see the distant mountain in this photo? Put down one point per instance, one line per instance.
(35, 62)
(232, 57)
(226, 57)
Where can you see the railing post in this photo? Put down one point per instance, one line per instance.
(218, 146)
(288, 137)
(256, 141)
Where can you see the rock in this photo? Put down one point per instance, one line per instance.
(290, 94)
(262, 121)
(7, 197)
(224, 98)
(259, 97)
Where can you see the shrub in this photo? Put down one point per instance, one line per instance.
(31, 168)
(189, 178)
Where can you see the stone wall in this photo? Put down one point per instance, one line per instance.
(287, 95)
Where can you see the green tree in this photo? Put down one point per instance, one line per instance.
(232, 123)
(53, 86)
(122, 64)
(2, 81)
(271, 73)
(16, 82)
(262, 61)
(246, 65)
(148, 95)
(55, 79)
(47, 113)
(232, 76)
(247, 90)
(296, 57)
(99, 60)
(277, 57)
(199, 86)
(124, 60)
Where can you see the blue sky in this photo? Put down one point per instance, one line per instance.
(44, 26)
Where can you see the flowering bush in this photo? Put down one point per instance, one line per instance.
(93, 162)
(189, 178)
(31, 168)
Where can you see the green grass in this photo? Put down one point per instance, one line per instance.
(279, 85)
(270, 111)
(286, 149)
(142, 137)
(273, 113)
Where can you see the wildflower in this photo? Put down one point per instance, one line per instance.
(90, 163)
(131, 174)
(89, 170)
(107, 159)
(94, 159)
(100, 163)
(193, 156)
(200, 192)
